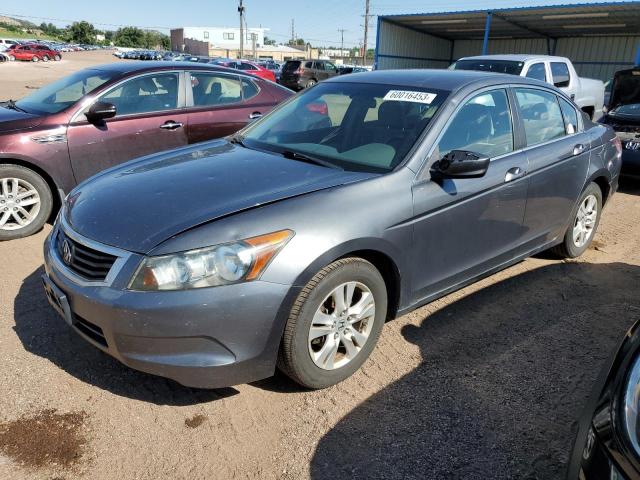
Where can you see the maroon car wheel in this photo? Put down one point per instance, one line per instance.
(45, 58)
(11, 58)
(56, 58)
(35, 59)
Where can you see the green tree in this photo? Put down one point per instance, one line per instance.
(269, 41)
(81, 32)
(129, 37)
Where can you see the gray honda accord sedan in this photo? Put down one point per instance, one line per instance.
(290, 243)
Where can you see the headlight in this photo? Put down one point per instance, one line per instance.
(632, 405)
(225, 264)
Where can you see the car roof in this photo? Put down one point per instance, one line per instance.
(439, 79)
(150, 65)
(514, 57)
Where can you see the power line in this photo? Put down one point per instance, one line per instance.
(71, 21)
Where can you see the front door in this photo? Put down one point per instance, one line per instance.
(559, 154)
(465, 227)
(148, 120)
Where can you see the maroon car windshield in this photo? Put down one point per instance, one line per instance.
(59, 95)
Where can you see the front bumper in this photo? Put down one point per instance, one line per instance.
(205, 338)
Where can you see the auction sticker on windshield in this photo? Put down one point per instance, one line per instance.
(409, 96)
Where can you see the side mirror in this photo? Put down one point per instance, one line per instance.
(460, 164)
(100, 111)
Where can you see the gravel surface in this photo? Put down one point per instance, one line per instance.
(485, 383)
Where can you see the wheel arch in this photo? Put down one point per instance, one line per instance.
(53, 186)
(602, 179)
(380, 253)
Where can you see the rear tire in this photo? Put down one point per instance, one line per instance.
(585, 220)
(310, 83)
(35, 59)
(57, 58)
(33, 210)
(45, 58)
(334, 324)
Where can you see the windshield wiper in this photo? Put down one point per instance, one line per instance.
(305, 158)
(12, 105)
(237, 140)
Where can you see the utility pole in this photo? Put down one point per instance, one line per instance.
(342, 30)
(241, 12)
(293, 32)
(366, 32)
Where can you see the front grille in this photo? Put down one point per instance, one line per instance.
(91, 330)
(84, 261)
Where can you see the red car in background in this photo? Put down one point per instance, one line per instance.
(247, 67)
(32, 53)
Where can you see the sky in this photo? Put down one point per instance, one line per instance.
(316, 21)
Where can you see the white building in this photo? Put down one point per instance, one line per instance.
(219, 37)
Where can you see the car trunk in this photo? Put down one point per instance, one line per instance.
(290, 71)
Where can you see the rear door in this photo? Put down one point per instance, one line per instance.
(466, 226)
(558, 152)
(149, 119)
(220, 104)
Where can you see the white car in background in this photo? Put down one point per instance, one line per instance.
(6, 43)
(587, 93)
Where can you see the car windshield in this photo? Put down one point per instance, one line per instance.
(354, 126)
(497, 66)
(57, 96)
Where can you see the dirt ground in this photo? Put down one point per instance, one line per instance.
(487, 382)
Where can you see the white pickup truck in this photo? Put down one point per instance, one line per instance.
(587, 93)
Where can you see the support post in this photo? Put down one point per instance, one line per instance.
(487, 29)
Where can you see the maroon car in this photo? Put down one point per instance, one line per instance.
(105, 115)
(33, 53)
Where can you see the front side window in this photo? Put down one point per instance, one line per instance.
(482, 126)
(358, 127)
(151, 93)
(570, 116)
(537, 71)
(211, 89)
(560, 73)
(541, 115)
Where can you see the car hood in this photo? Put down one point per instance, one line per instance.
(11, 120)
(138, 205)
(625, 88)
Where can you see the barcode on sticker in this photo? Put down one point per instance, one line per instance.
(409, 96)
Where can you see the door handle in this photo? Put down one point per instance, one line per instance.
(255, 115)
(171, 125)
(514, 173)
(578, 149)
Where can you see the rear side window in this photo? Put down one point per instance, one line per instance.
(249, 89)
(560, 73)
(541, 115)
(211, 89)
(570, 117)
(482, 126)
(537, 71)
(308, 65)
(246, 66)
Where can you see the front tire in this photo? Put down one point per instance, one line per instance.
(35, 59)
(57, 58)
(334, 323)
(585, 221)
(310, 83)
(25, 202)
(12, 58)
(45, 58)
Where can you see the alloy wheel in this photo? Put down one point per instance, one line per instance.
(585, 221)
(341, 325)
(19, 203)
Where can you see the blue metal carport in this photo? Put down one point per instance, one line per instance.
(599, 38)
